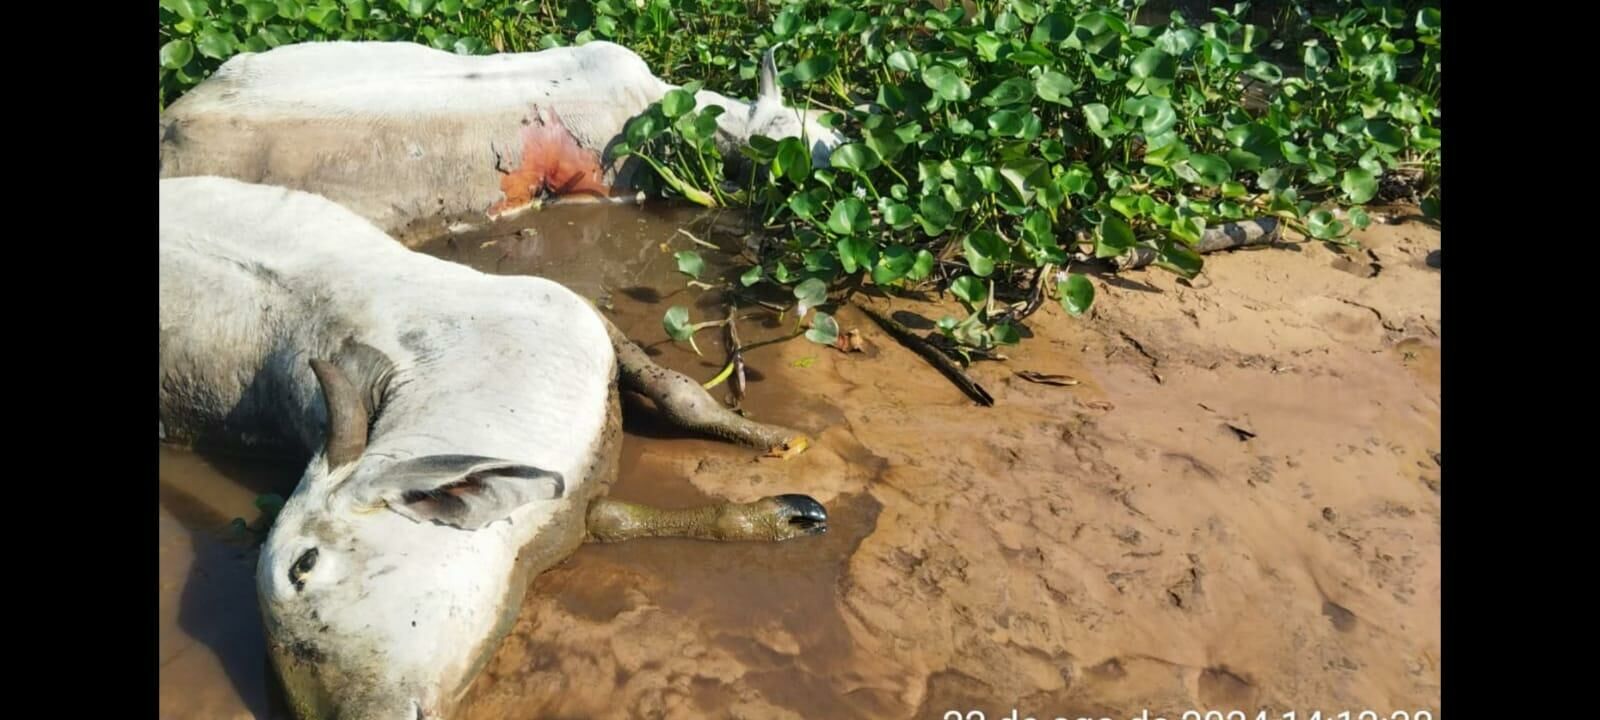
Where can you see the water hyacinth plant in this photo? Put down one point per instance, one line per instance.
(995, 148)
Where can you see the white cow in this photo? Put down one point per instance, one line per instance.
(462, 429)
(416, 139)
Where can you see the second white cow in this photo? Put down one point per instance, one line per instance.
(416, 139)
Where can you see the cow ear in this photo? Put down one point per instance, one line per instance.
(769, 92)
(463, 491)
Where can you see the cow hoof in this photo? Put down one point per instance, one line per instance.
(801, 516)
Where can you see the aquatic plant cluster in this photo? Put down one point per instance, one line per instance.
(994, 146)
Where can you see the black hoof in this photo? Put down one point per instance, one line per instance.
(804, 513)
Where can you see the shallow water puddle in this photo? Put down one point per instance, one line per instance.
(213, 662)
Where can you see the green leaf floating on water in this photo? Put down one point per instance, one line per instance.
(690, 263)
(676, 323)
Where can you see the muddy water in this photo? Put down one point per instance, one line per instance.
(212, 658)
(1237, 508)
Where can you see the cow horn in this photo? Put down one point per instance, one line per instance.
(347, 416)
(768, 73)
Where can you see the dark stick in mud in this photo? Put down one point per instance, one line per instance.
(930, 353)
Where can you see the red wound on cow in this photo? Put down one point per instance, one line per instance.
(552, 164)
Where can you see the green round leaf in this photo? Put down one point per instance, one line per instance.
(854, 157)
(1324, 226)
(936, 214)
(988, 45)
(1097, 116)
(983, 250)
(1179, 259)
(792, 161)
(260, 10)
(690, 263)
(751, 276)
(1006, 122)
(1359, 185)
(417, 8)
(811, 292)
(1430, 207)
(897, 215)
(642, 129)
(903, 60)
(1156, 113)
(1115, 237)
(946, 81)
(1385, 135)
(1266, 71)
(1316, 57)
(839, 20)
(1428, 20)
(329, 19)
(971, 290)
(849, 216)
(814, 67)
(1178, 41)
(176, 54)
(922, 267)
(676, 323)
(1055, 87)
(824, 329)
(1154, 64)
(893, 264)
(809, 203)
(1077, 294)
(1011, 92)
(215, 45)
(1209, 170)
(186, 9)
(786, 23)
(677, 102)
(855, 253)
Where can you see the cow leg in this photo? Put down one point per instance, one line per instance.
(684, 403)
(770, 519)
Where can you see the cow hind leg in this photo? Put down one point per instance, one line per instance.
(685, 404)
(770, 519)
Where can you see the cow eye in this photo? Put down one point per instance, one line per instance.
(302, 567)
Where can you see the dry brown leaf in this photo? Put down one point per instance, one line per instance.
(849, 342)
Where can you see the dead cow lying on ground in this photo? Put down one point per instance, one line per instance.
(411, 137)
(462, 428)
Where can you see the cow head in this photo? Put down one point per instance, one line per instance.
(386, 583)
(769, 116)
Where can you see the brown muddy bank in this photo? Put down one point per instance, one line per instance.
(1236, 508)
